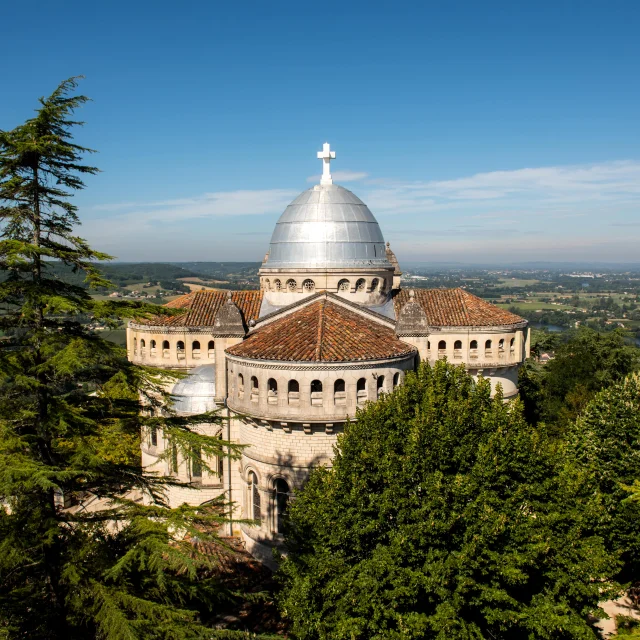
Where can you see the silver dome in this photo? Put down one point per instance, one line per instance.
(327, 226)
(195, 393)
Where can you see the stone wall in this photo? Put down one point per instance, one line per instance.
(324, 393)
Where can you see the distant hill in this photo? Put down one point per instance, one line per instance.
(223, 270)
(121, 273)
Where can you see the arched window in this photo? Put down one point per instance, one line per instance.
(240, 386)
(343, 285)
(143, 344)
(442, 349)
(316, 393)
(293, 392)
(272, 391)
(473, 345)
(339, 393)
(281, 491)
(255, 390)
(380, 385)
(277, 285)
(360, 284)
(165, 349)
(267, 284)
(211, 349)
(153, 437)
(487, 345)
(292, 285)
(457, 349)
(196, 464)
(512, 345)
(180, 349)
(308, 285)
(361, 391)
(152, 347)
(396, 379)
(428, 347)
(374, 284)
(253, 499)
(135, 345)
(383, 285)
(501, 344)
(195, 349)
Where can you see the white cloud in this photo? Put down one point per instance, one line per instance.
(341, 176)
(613, 182)
(220, 203)
(561, 212)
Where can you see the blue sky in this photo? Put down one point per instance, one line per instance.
(476, 131)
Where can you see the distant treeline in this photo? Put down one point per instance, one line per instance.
(166, 274)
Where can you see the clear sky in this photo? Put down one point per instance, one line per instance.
(475, 131)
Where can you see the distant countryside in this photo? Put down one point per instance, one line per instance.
(551, 299)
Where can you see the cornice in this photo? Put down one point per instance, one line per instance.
(321, 366)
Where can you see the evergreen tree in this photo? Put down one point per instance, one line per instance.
(606, 441)
(128, 569)
(444, 516)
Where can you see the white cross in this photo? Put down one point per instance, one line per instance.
(326, 155)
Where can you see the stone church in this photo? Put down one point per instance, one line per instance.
(329, 330)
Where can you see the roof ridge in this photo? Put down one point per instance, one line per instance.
(463, 300)
(320, 333)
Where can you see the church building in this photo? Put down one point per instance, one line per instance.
(329, 330)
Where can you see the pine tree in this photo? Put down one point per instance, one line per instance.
(129, 569)
(443, 516)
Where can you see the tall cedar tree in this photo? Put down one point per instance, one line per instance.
(444, 516)
(606, 440)
(127, 570)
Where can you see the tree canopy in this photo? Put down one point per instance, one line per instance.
(585, 362)
(606, 440)
(445, 515)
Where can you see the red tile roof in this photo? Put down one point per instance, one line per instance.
(201, 308)
(322, 331)
(457, 308)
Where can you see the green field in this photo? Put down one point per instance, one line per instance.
(517, 282)
(535, 305)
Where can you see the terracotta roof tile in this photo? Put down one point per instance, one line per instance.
(201, 308)
(322, 331)
(457, 308)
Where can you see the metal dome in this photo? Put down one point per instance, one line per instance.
(327, 226)
(196, 392)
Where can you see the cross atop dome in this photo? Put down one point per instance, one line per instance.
(326, 155)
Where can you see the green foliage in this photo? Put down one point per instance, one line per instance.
(444, 516)
(584, 364)
(118, 564)
(626, 628)
(606, 441)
